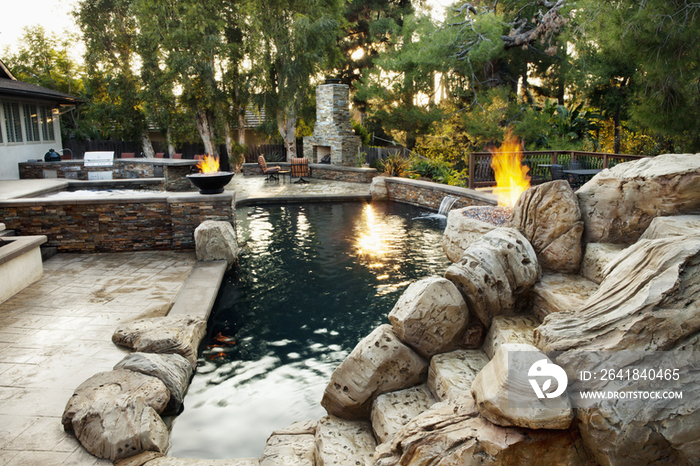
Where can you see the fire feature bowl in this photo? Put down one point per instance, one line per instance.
(210, 183)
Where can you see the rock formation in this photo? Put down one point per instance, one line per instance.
(461, 232)
(548, 215)
(496, 273)
(216, 240)
(430, 316)
(618, 204)
(380, 363)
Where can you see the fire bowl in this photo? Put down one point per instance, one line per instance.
(210, 183)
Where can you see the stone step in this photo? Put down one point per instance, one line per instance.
(451, 374)
(596, 258)
(198, 293)
(556, 292)
(392, 411)
(509, 329)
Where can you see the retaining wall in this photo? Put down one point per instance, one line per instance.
(430, 195)
(322, 171)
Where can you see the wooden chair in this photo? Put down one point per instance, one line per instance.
(272, 171)
(300, 168)
(177, 156)
(160, 155)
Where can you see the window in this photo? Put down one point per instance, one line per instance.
(47, 123)
(13, 126)
(31, 122)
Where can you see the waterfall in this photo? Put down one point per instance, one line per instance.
(446, 205)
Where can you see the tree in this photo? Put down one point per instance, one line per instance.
(658, 44)
(295, 41)
(45, 60)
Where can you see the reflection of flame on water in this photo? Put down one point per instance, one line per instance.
(370, 244)
(209, 164)
(511, 175)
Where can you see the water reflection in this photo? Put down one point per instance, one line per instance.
(307, 290)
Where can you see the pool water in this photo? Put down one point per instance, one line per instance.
(312, 281)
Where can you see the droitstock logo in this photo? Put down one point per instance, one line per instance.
(545, 368)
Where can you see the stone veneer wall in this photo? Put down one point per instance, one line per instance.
(76, 170)
(430, 195)
(118, 223)
(323, 171)
(176, 178)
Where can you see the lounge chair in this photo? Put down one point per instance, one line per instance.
(300, 168)
(272, 171)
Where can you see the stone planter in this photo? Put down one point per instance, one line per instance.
(20, 264)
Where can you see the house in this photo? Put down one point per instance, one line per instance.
(29, 123)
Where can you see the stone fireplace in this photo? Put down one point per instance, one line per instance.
(333, 134)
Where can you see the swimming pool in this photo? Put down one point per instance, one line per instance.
(312, 281)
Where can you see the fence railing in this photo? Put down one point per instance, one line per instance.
(481, 174)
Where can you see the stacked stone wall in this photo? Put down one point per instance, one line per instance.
(430, 195)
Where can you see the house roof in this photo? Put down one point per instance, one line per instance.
(9, 85)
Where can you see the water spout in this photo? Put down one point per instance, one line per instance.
(446, 205)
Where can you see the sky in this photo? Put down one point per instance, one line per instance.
(16, 14)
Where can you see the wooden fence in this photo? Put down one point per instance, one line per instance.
(481, 174)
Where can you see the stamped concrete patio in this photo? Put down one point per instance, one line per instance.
(57, 332)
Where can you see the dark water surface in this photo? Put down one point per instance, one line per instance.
(313, 280)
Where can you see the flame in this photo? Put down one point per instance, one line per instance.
(209, 164)
(511, 175)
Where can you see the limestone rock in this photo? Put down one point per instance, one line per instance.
(496, 274)
(597, 258)
(344, 443)
(120, 427)
(461, 232)
(380, 363)
(299, 428)
(679, 225)
(514, 329)
(168, 335)
(618, 204)
(640, 431)
(140, 459)
(649, 300)
(451, 374)
(548, 215)
(392, 411)
(216, 240)
(455, 435)
(113, 385)
(172, 369)
(289, 450)
(474, 335)
(504, 396)
(430, 316)
(170, 461)
(557, 292)
(378, 189)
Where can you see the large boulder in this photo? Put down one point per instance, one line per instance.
(509, 329)
(504, 395)
(378, 189)
(430, 316)
(120, 427)
(107, 387)
(453, 434)
(679, 225)
(557, 292)
(596, 260)
(451, 374)
(618, 204)
(392, 411)
(292, 446)
(460, 232)
(344, 443)
(380, 363)
(166, 335)
(549, 217)
(171, 369)
(649, 300)
(216, 240)
(496, 274)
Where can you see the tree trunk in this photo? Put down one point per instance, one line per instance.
(287, 125)
(241, 125)
(617, 143)
(205, 130)
(171, 146)
(229, 139)
(147, 146)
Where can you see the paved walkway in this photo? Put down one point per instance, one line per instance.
(57, 332)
